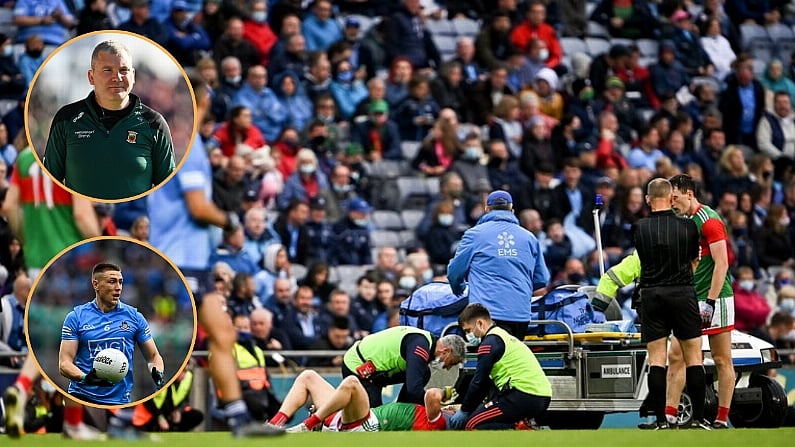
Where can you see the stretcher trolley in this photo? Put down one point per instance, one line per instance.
(596, 373)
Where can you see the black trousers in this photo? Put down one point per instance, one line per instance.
(506, 409)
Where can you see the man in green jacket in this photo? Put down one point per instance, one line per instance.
(401, 354)
(109, 145)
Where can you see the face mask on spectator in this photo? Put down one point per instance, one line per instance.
(747, 284)
(472, 153)
(8, 50)
(259, 16)
(361, 222)
(427, 275)
(784, 282)
(787, 305)
(543, 54)
(472, 339)
(345, 76)
(784, 221)
(407, 282)
(243, 336)
(307, 169)
(234, 79)
(576, 277)
(446, 220)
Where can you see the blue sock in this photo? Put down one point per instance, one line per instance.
(236, 413)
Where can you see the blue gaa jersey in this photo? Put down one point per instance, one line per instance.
(122, 328)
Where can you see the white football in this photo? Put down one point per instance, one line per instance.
(111, 365)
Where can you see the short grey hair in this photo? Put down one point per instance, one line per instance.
(112, 47)
(456, 344)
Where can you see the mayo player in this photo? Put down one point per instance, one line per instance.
(105, 322)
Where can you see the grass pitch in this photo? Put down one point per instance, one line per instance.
(553, 438)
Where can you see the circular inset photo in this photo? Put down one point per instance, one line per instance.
(110, 322)
(110, 115)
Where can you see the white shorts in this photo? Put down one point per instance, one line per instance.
(370, 423)
(723, 318)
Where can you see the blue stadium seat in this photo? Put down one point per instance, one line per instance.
(597, 45)
(387, 220)
(573, 45)
(597, 30)
(440, 27)
(648, 47)
(466, 27)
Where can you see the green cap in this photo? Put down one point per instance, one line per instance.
(354, 149)
(379, 106)
(614, 81)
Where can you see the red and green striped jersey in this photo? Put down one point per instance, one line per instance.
(48, 222)
(711, 228)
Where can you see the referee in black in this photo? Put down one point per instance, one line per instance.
(668, 249)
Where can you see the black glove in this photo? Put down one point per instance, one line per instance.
(232, 221)
(92, 379)
(157, 376)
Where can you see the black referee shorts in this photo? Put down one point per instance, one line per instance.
(667, 309)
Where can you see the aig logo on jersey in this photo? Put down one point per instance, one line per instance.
(506, 245)
(132, 136)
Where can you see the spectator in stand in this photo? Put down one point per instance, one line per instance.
(317, 278)
(609, 142)
(688, 47)
(416, 114)
(733, 175)
(606, 65)
(231, 78)
(714, 9)
(632, 19)
(408, 37)
(213, 17)
(336, 337)
(365, 307)
(290, 92)
(742, 104)
(340, 192)
(292, 55)
(50, 19)
(352, 235)
(647, 152)
(186, 39)
(494, 41)
(442, 235)
(233, 43)
(488, 93)
(506, 125)
(675, 150)
(378, 135)
(230, 251)
(242, 299)
(773, 241)
(397, 84)
(320, 28)
(750, 306)
(471, 71)
(265, 336)
(440, 147)
(573, 196)
(305, 329)
(259, 234)
(469, 165)
(346, 88)
(30, 61)
(93, 17)
(535, 28)
(338, 305)
(717, 47)
(386, 267)
(12, 82)
(614, 100)
(274, 266)
(668, 75)
(376, 89)
(291, 227)
(753, 11)
(318, 231)
(268, 113)
(317, 78)
(557, 247)
(537, 148)
(280, 304)
(781, 330)
(258, 32)
(447, 89)
(774, 81)
(239, 129)
(306, 183)
(141, 22)
(505, 173)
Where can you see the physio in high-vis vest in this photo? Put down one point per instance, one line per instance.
(400, 354)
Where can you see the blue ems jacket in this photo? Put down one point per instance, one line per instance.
(503, 264)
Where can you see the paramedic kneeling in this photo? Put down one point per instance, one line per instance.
(400, 354)
(668, 249)
(523, 391)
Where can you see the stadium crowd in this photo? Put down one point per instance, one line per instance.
(356, 140)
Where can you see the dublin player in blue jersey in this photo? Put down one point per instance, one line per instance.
(105, 322)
